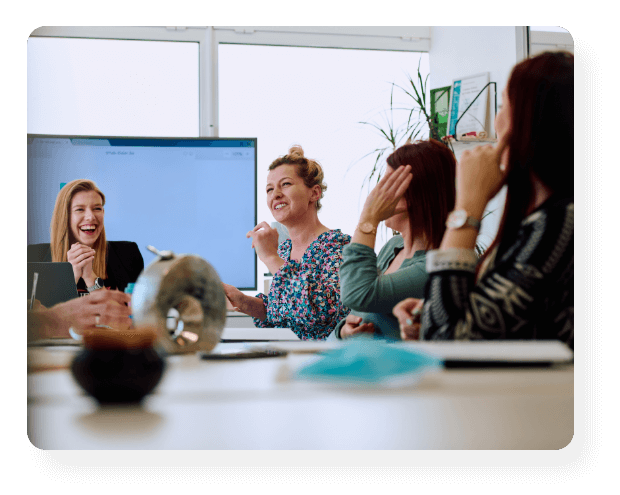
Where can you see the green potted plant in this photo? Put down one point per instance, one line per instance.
(419, 119)
(418, 122)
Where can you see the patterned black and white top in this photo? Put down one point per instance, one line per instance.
(527, 291)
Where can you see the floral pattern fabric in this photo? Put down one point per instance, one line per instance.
(305, 294)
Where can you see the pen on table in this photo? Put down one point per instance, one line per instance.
(34, 289)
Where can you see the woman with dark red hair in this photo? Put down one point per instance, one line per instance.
(523, 288)
(414, 198)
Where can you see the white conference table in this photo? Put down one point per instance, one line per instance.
(255, 404)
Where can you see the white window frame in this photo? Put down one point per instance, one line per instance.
(522, 42)
(416, 39)
(370, 38)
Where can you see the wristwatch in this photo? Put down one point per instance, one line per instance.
(459, 218)
(367, 228)
(98, 285)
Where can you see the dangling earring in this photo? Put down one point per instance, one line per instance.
(394, 232)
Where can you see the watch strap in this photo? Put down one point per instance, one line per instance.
(473, 222)
(460, 218)
(98, 285)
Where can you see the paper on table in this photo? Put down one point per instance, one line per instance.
(231, 333)
(306, 346)
(508, 351)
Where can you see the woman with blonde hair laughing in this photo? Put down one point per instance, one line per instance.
(78, 236)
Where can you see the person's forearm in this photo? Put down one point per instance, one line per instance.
(274, 263)
(44, 324)
(253, 306)
(37, 323)
(365, 239)
(464, 238)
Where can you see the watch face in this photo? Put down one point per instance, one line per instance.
(367, 228)
(457, 219)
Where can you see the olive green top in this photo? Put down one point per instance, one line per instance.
(372, 295)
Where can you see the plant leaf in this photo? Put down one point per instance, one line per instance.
(422, 86)
(415, 89)
(407, 92)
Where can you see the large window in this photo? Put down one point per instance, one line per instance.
(298, 85)
(109, 87)
(315, 97)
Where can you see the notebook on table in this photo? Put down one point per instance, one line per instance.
(496, 353)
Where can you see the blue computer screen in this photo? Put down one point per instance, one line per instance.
(191, 196)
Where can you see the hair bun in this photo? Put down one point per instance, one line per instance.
(296, 151)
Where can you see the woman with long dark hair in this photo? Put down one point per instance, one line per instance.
(523, 286)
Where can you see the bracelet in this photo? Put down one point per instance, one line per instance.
(74, 336)
(460, 259)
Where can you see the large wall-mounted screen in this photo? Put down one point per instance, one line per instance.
(190, 195)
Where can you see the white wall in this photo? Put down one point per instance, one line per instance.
(463, 51)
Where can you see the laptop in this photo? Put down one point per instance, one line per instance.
(55, 282)
(496, 353)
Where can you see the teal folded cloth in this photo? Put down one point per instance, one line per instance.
(367, 360)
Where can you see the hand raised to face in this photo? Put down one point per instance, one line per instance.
(480, 174)
(382, 200)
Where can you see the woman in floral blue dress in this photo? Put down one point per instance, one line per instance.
(305, 290)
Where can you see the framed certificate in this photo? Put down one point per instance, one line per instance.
(464, 92)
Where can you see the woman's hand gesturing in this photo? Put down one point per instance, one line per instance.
(234, 298)
(265, 241)
(81, 258)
